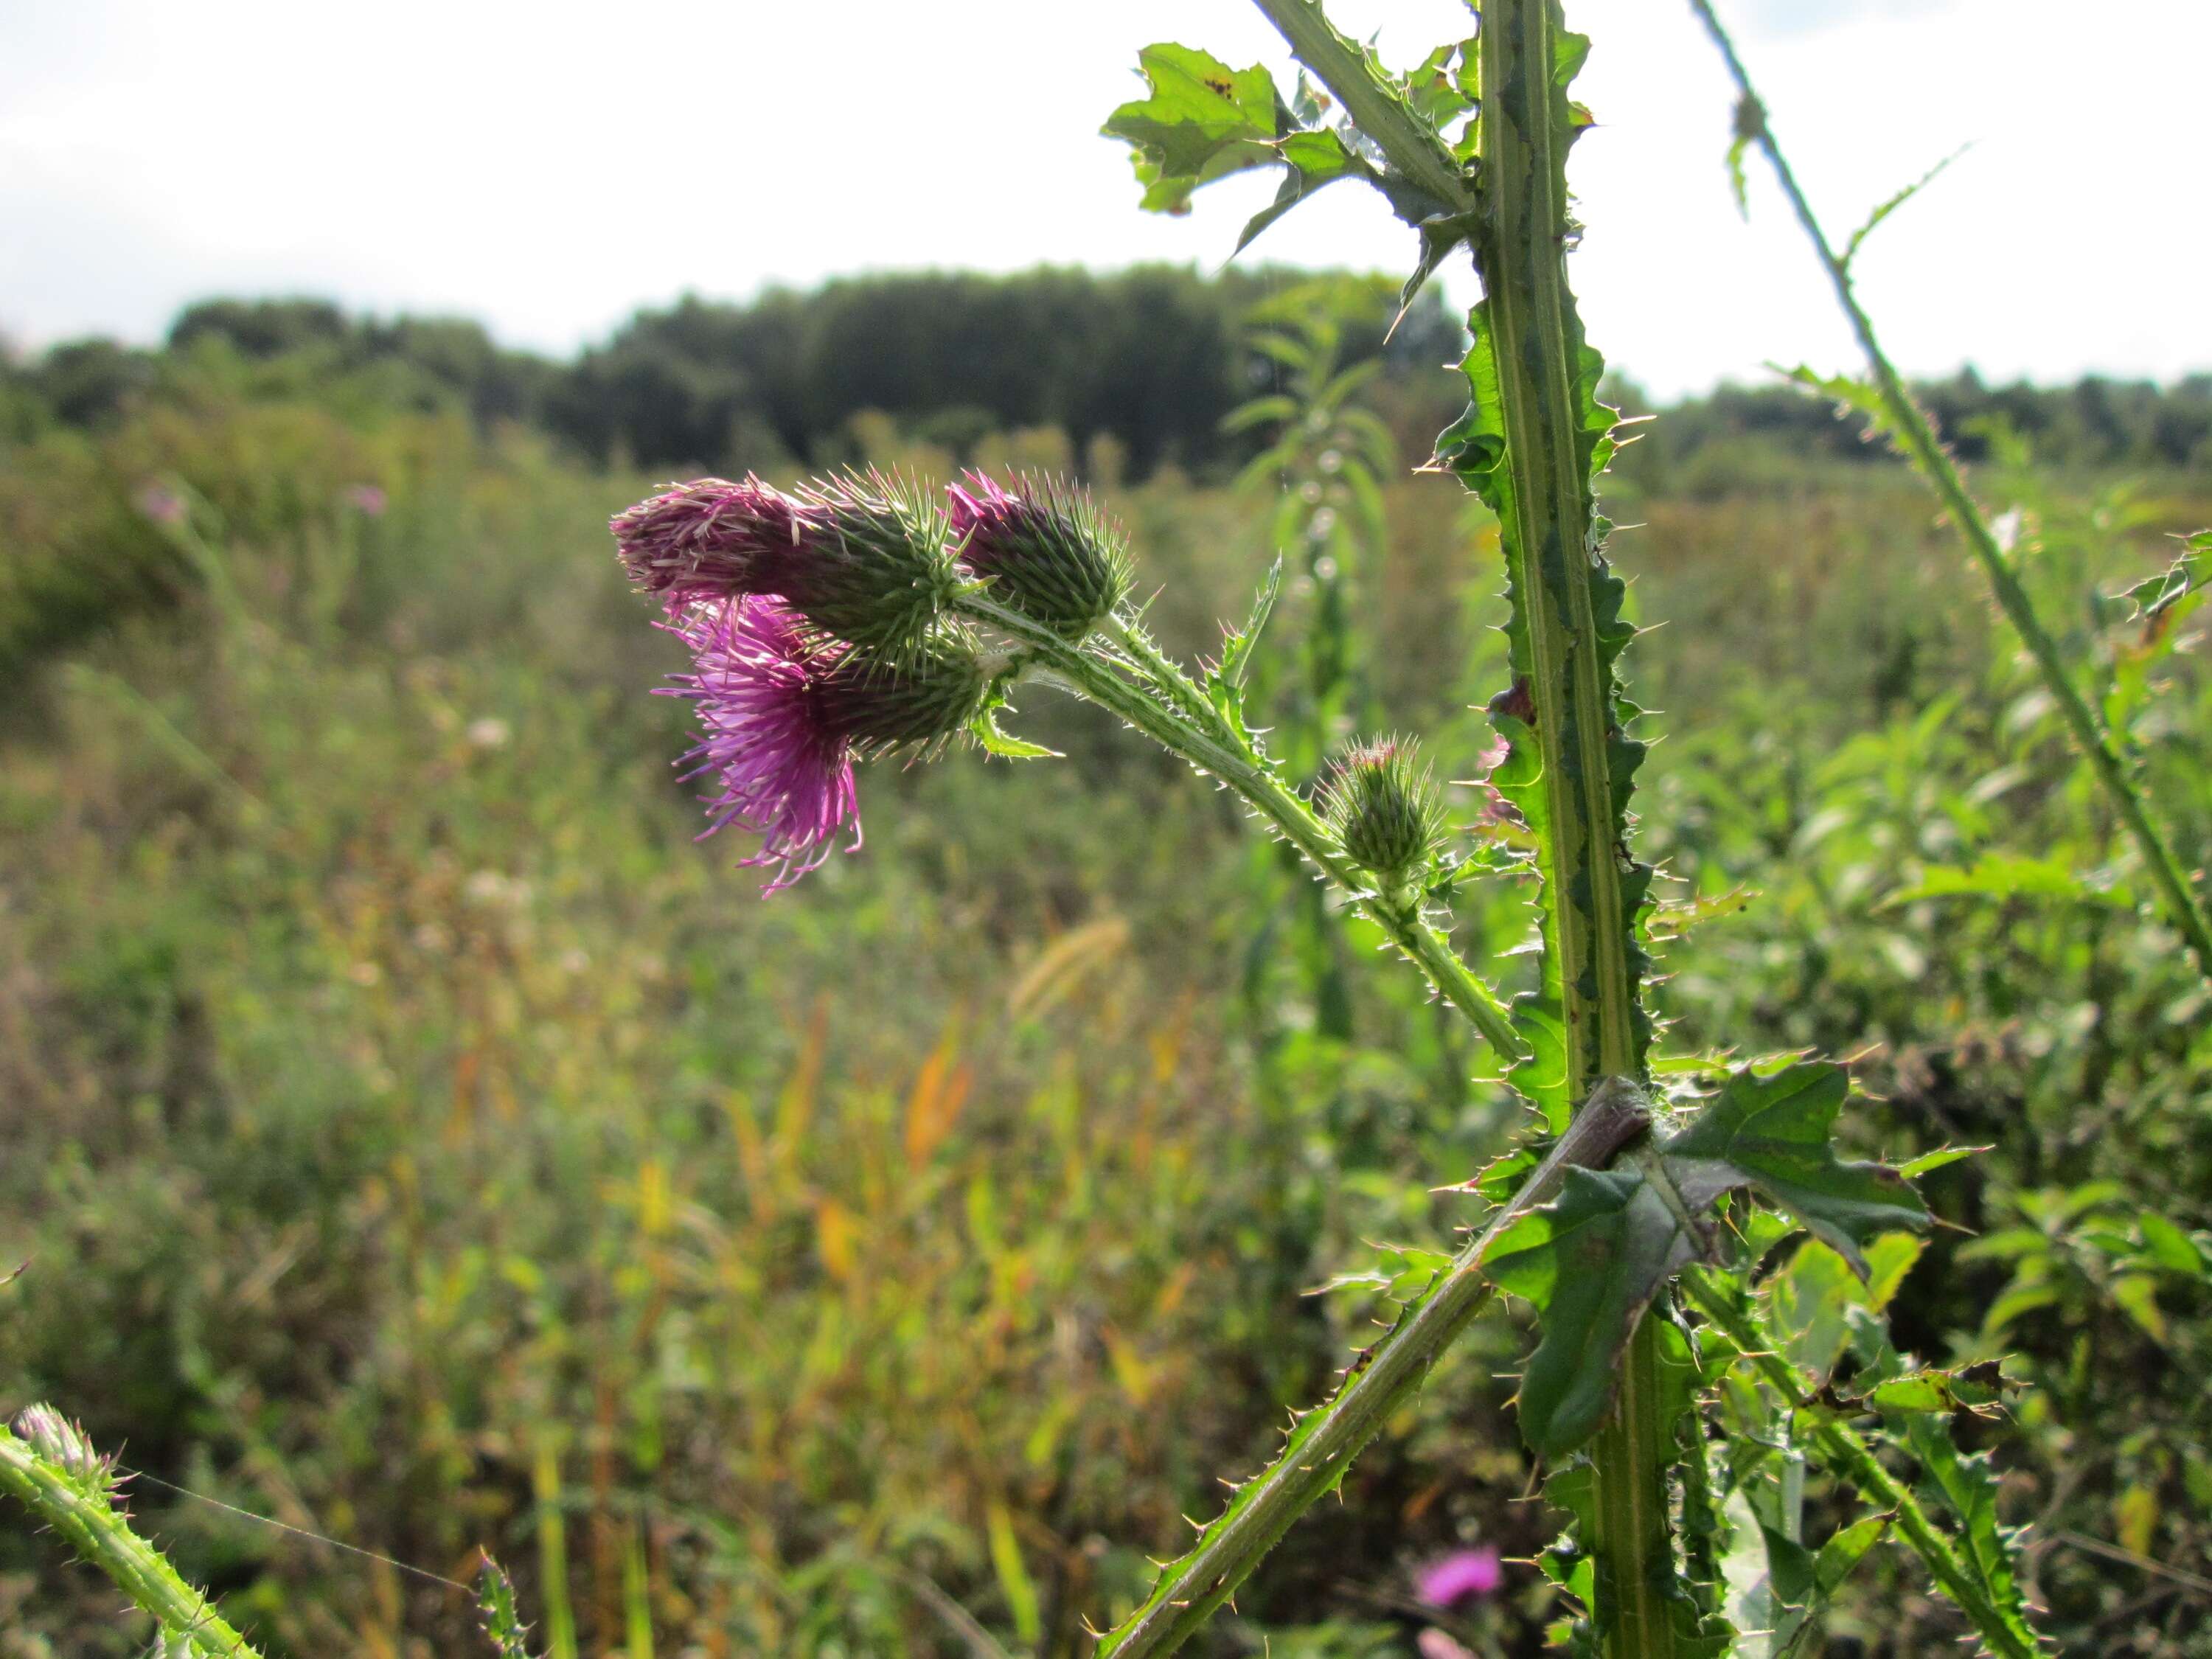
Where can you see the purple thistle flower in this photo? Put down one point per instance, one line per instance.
(1044, 548)
(366, 499)
(1464, 1573)
(710, 539)
(787, 710)
(782, 770)
(862, 556)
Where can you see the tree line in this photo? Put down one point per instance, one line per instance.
(1152, 356)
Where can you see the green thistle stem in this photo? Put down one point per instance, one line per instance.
(1852, 1459)
(103, 1537)
(1175, 714)
(1933, 463)
(1323, 1445)
(1541, 490)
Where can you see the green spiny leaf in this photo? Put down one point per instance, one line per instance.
(1310, 160)
(1203, 121)
(1225, 683)
(995, 740)
(1968, 1487)
(2154, 596)
(1592, 1261)
(1773, 1135)
(1852, 247)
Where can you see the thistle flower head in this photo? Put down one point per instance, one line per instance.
(1385, 807)
(63, 1444)
(785, 712)
(1046, 549)
(871, 564)
(710, 539)
(862, 556)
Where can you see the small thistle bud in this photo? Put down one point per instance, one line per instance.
(1045, 548)
(63, 1444)
(1386, 809)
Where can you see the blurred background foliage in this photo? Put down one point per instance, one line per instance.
(414, 1137)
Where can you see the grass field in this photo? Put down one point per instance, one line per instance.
(414, 1137)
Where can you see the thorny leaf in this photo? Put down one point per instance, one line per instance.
(1773, 1133)
(1205, 121)
(2156, 595)
(1968, 1488)
(1593, 1260)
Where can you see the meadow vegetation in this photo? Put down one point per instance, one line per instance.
(415, 1138)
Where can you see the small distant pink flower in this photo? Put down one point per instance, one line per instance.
(1433, 1644)
(781, 767)
(710, 539)
(161, 504)
(366, 499)
(1464, 1573)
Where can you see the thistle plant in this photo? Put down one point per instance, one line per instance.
(1887, 405)
(48, 1465)
(1637, 1212)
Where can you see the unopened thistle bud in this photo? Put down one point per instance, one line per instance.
(862, 557)
(1386, 809)
(61, 1443)
(1045, 548)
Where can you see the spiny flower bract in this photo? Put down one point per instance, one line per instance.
(874, 565)
(1045, 548)
(1385, 807)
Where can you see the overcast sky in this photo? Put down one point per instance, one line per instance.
(550, 167)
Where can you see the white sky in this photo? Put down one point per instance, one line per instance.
(549, 167)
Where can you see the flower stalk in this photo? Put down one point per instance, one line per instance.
(1174, 713)
(82, 1511)
(1916, 432)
